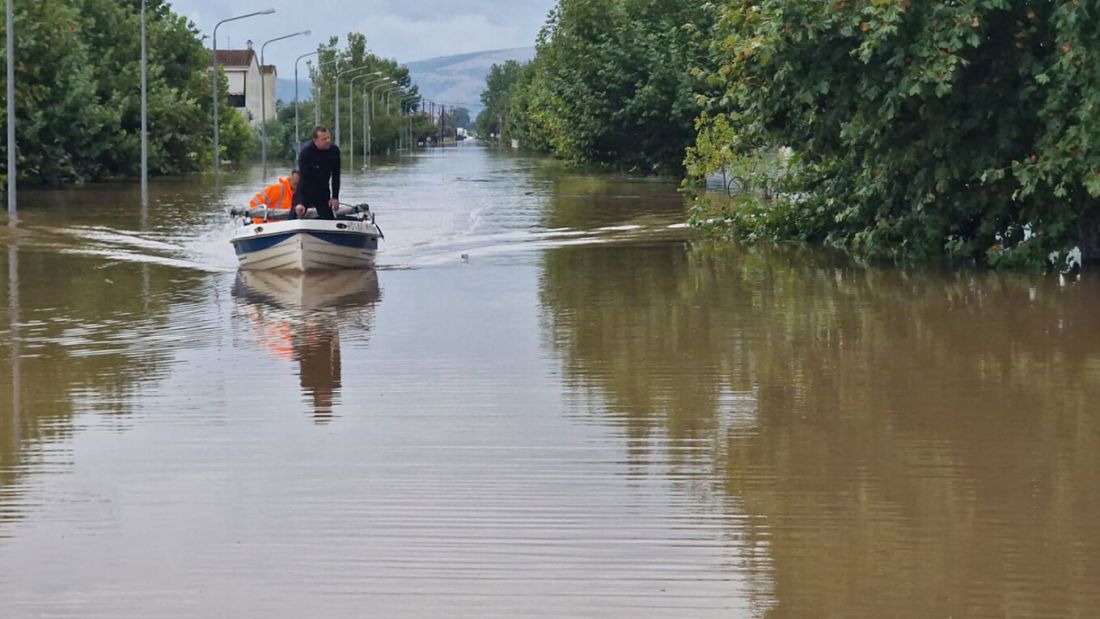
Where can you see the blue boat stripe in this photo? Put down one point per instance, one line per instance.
(347, 239)
(248, 246)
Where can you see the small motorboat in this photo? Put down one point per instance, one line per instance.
(267, 240)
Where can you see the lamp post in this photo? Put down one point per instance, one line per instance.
(351, 117)
(366, 115)
(263, 95)
(338, 74)
(402, 113)
(317, 91)
(372, 114)
(214, 77)
(297, 132)
(409, 115)
(10, 36)
(144, 113)
(386, 102)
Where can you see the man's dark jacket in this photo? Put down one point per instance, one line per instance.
(317, 167)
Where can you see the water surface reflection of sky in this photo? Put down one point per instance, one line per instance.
(550, 400)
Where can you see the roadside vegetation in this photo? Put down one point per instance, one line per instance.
(610, 84)
(78, 98)
(961, 131)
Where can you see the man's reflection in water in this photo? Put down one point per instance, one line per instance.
(298, 318)
(318, 354)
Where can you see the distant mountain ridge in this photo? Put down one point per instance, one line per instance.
(450, 80)
(284, 90)
(460, 79)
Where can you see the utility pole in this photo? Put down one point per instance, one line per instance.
(214, 78)
(297, 131)
(144, 113)
(11, 115)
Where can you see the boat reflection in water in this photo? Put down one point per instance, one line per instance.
(298, 316)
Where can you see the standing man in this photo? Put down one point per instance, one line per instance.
(319, 163)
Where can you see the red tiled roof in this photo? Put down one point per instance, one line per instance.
(235, 57)
(267, 69)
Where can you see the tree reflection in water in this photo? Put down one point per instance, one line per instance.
(297, 317)
(907, 444)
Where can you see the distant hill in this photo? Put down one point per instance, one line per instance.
(284, 89)
(461, 79)
(449, 79)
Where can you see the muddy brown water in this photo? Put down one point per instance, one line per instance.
(550, 400)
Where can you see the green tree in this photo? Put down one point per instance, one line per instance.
(496, 96)
(58, 125)
(78, 97)
(331, 61)
(611, 82)
(458, 117)
(922, 130)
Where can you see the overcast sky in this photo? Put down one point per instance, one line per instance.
(407, 30)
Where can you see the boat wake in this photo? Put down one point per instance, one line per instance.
(131, 246)
(467, 247)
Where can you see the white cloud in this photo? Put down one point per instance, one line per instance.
(407, 30)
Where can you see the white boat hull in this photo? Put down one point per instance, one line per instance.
(306, 245)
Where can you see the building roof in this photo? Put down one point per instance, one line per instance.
(268, 69)
(235, 57)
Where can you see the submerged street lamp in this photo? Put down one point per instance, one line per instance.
(297, 131)
(373, 111)
(317, 90)
(214, 77)
(144, 113)
(10, 36)
(263, 95)
(351, 113)
(386, 105)
(338, 74)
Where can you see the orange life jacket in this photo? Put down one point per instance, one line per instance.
(277, 196)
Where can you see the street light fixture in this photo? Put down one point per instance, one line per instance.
(297, 132)
(338, 74)
(386, 105)
(317, 90)
(372, 114)
(10, 35)
(144, 113)
(368, 105)
(409, 112)
(351, 113)
(214, 77)
(263, 94)
(386, 96)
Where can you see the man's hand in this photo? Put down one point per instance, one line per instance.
(334, 204)
(300, 210)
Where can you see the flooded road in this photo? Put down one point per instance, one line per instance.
(550, 400)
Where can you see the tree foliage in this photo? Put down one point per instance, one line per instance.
(497, 96)
(78, 91)
(347, 64)
(921, 129)
(610, 83)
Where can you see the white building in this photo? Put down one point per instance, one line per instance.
(242, 71)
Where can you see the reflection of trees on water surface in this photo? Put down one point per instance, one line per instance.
(87, 342)
(583, 201)
(916, 444)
